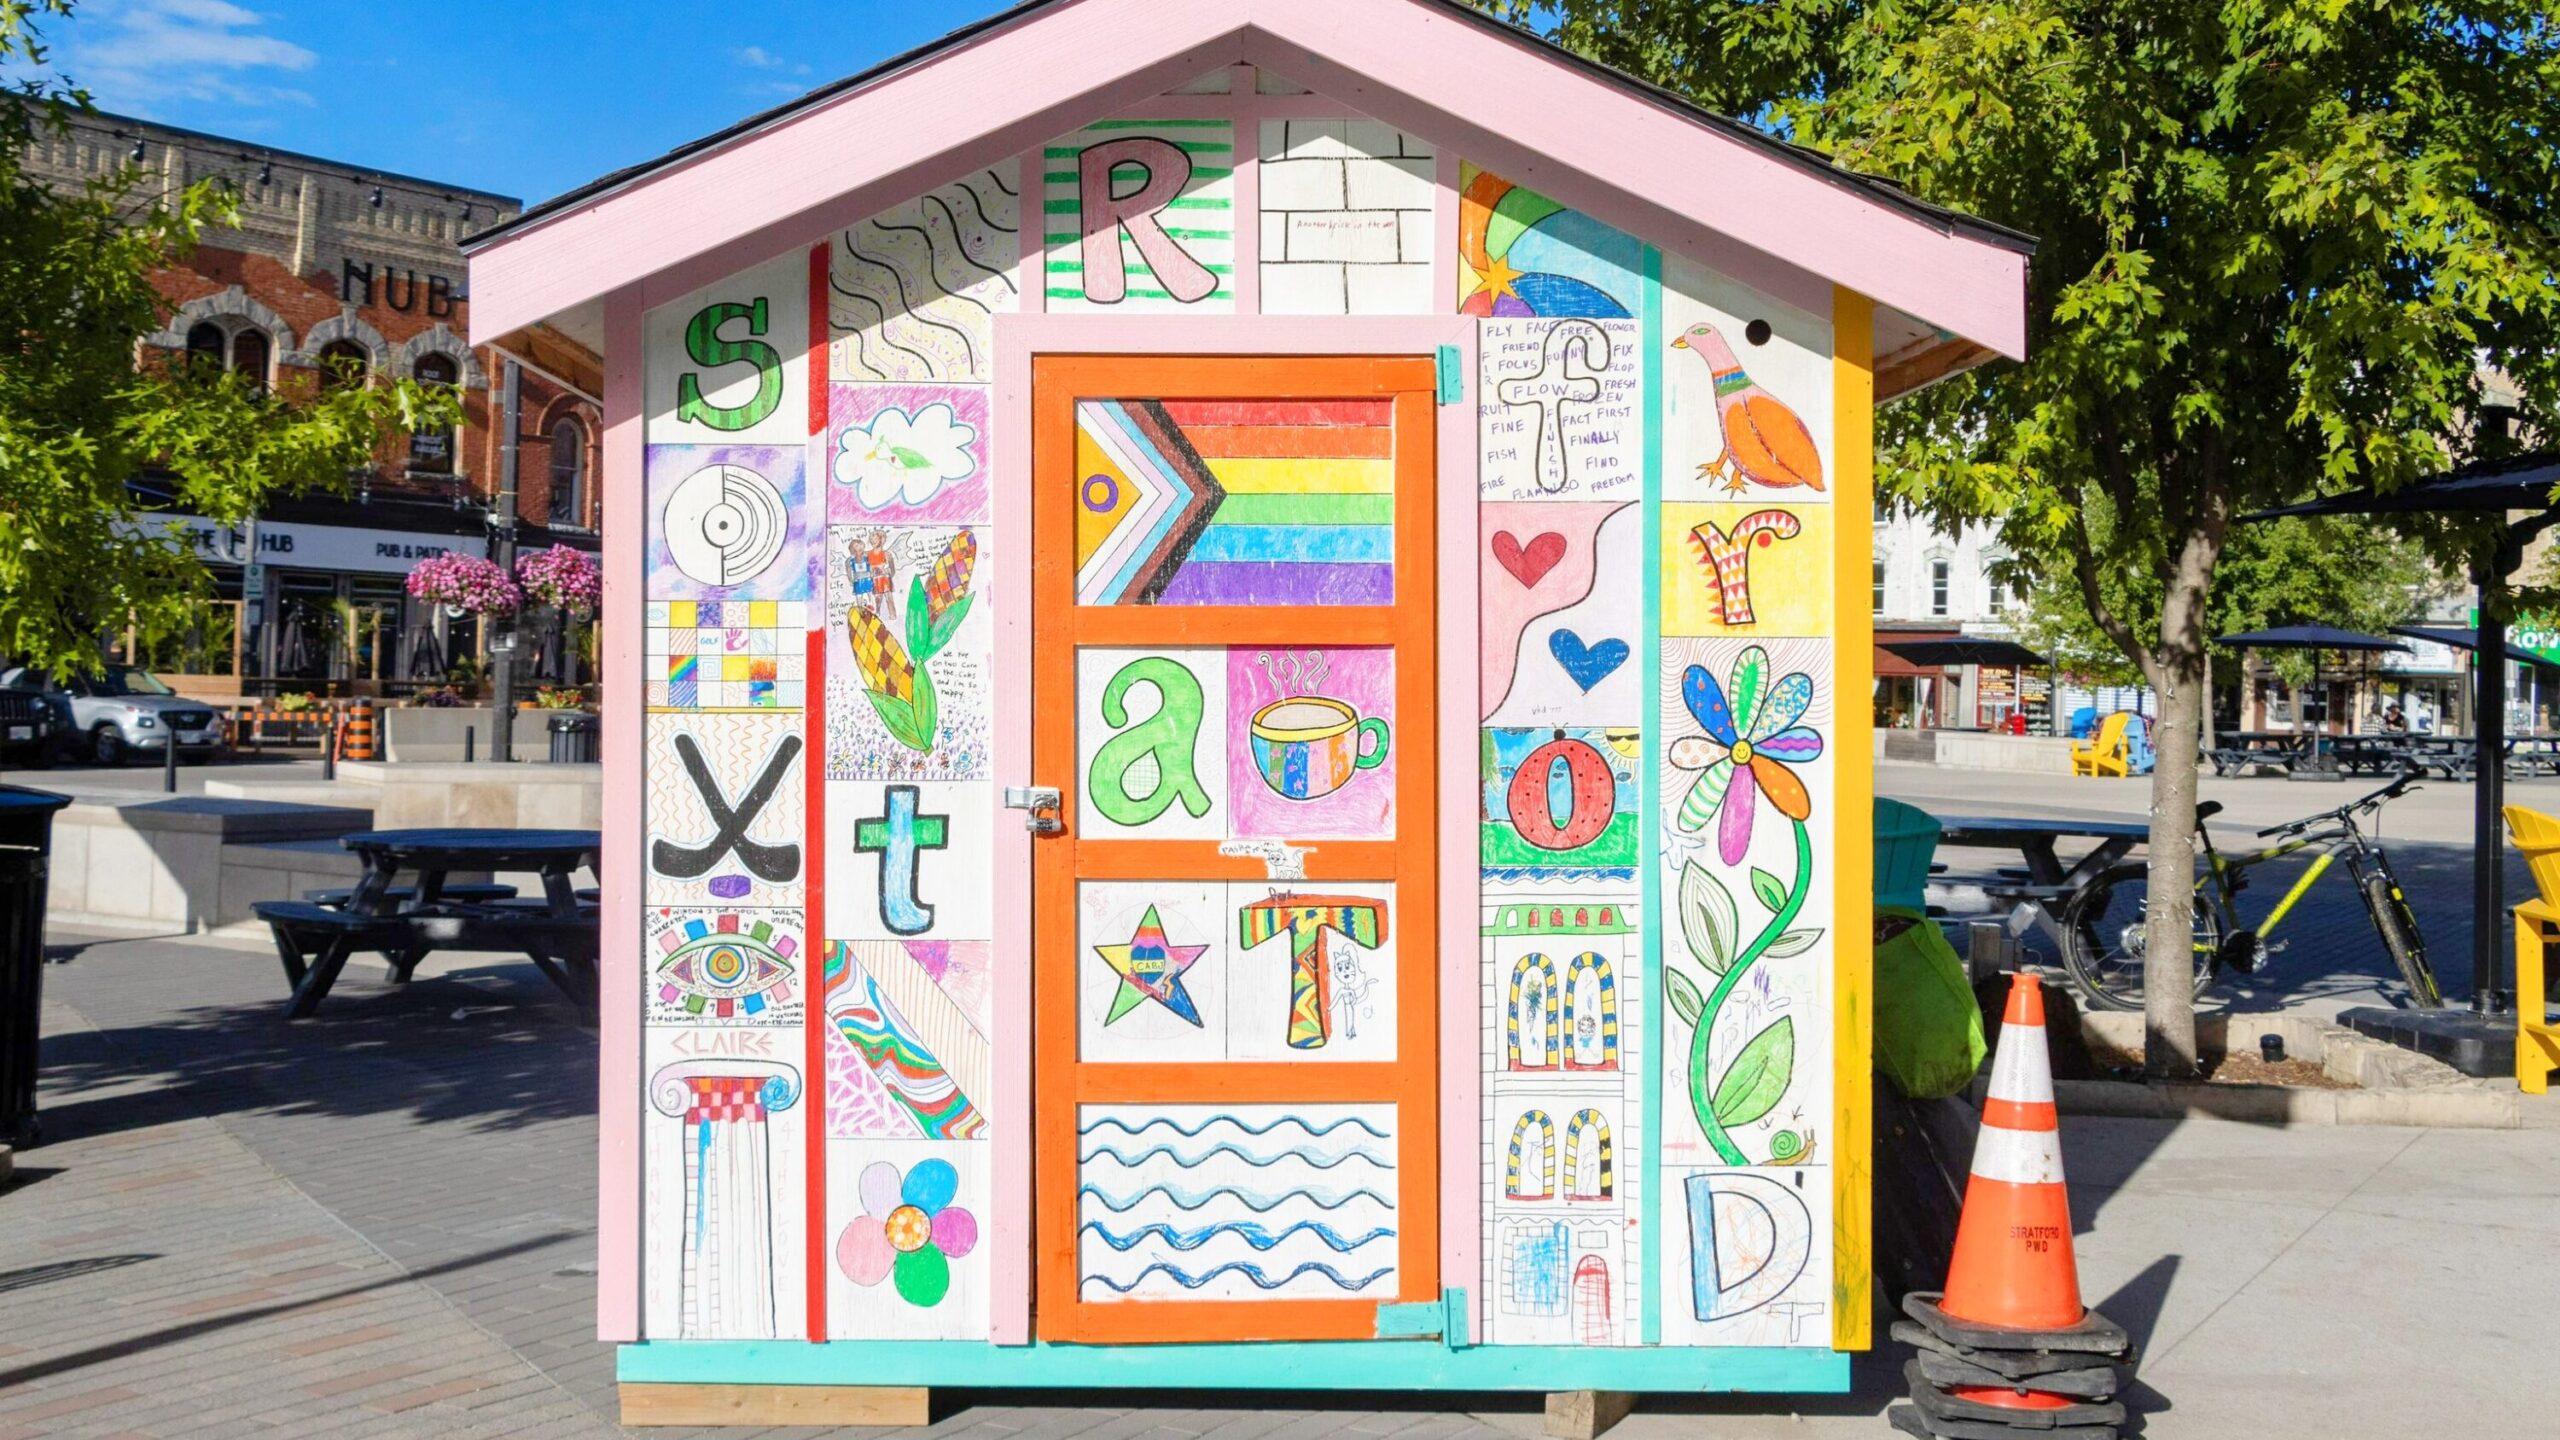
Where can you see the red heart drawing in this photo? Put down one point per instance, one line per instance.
(1529, 564)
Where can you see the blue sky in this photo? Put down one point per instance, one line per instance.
(522, 97)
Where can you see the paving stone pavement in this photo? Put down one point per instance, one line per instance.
(380, 1222)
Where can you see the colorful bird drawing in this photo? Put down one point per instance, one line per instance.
(1765, 443)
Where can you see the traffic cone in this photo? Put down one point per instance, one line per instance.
(2012, 1310)
(2013, 1264)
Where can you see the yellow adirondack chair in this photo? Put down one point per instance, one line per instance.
(2106, 752)
(2537, 920)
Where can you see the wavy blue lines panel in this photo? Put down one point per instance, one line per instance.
(1236, 1202)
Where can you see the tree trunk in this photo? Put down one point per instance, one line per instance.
(2169, 958)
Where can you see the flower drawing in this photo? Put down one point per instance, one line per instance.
(908, 1231)
(901, 459)
(1752, 738)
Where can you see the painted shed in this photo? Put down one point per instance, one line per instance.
(1238, 734)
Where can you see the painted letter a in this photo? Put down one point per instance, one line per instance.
(1168, 169)
(1122, 784)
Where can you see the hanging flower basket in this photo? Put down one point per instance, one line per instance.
(561, 578)
(466, 582)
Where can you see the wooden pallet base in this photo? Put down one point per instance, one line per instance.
(647, 1404)
(1584, 1414)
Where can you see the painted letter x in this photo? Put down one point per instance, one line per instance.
(772, 864)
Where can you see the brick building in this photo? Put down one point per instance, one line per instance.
(334, 267)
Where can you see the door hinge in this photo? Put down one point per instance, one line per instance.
(1444, 1320)
(1453, 378)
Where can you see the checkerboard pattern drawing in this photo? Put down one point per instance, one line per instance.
(727, 654)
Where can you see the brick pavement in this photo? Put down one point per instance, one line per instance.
(164, 1279)
(381, 1222)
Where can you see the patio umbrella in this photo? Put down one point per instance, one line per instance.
(293, 651)
(1964, 650)
(426, 659)
(2314, 638)
(2503, 487)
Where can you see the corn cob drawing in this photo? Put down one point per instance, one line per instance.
(894, 675)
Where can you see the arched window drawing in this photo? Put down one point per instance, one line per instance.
(1590, 1013)
(1593, 1324)
(1518, 1172)
(1532, 1013)
(1594, 1177)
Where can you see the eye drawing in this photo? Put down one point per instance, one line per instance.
(724, 966)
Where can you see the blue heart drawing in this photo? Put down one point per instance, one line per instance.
(1588, 665)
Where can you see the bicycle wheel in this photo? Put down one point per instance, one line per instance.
(2398, 926)
(2104, 938)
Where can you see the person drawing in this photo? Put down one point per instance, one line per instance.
(1351, 986)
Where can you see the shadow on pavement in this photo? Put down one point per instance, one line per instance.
(492, 1047)
(2136, 1305)
(35, 1275)
(176, 1334)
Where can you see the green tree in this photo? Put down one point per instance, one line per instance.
(2279, 240)
(2286, 572)
(79, 418)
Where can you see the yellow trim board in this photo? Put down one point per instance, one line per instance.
(1853, 394)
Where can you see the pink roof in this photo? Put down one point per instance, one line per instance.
(1627, 154)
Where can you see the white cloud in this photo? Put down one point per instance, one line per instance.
(756, 57)
(142, 51)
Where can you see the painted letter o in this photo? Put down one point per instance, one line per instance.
(1594, 791)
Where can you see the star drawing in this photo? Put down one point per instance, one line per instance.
(1150, 968)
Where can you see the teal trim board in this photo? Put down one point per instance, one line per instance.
(1657, 1027)
(1249, 1365)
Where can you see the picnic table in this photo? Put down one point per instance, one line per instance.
(2531, 755)
(2455, 757)
(2244, 750)
(2037, 892)
(406, 923)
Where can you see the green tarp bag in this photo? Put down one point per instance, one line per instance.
(1928, 1028)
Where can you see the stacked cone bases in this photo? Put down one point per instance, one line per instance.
(2008, 1349)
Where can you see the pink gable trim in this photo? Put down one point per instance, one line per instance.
(1615, 154)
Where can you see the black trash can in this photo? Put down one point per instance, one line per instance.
(26, 840)
(573, 738)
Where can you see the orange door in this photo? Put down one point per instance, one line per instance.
(1235, 952)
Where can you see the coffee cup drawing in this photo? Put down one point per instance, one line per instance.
(1308, 746)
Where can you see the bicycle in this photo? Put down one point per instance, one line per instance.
(2104, 931)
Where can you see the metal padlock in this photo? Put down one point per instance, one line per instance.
(1043, 802)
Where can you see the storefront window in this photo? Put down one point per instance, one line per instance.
(431, 451)
(343, 365)
(246, 351)
(569, 473)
